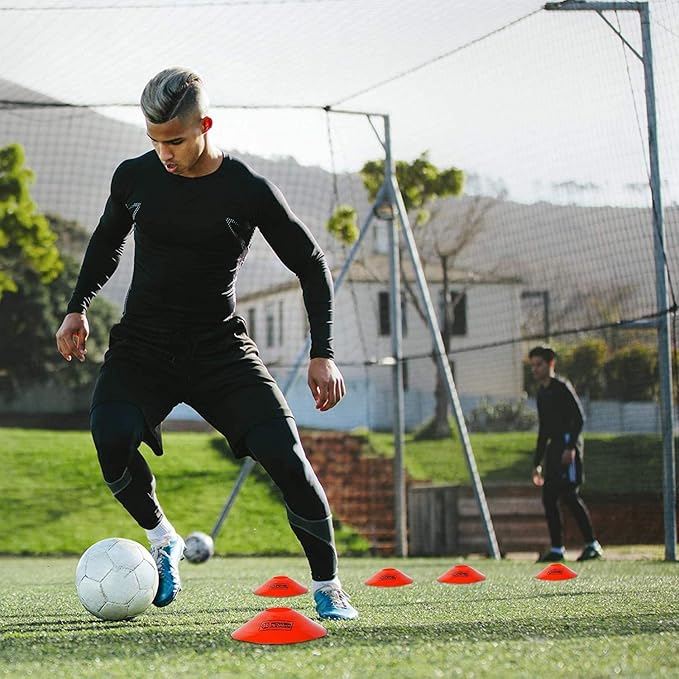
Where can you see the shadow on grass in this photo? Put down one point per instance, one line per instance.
(187, 632)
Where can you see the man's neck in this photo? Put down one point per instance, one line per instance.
(210, 161)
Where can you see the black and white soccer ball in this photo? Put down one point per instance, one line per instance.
(116, 579)
(199, 547)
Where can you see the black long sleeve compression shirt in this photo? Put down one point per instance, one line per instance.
(560, 417)
(191, 237)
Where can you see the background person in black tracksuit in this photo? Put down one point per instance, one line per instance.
(558, 462)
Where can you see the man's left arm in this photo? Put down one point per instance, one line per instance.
(575, 420)
(296, 247)
(575, 416)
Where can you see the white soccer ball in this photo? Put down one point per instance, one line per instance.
(199, 547)
(116, 579)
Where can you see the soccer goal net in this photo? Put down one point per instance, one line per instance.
(520, 138)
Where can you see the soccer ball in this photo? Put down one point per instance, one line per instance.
(116, 579)
(199, 547)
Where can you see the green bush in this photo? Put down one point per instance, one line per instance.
(628, 374)
(584, 367)
(632, 374)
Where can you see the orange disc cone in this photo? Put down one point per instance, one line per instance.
(279, 626)
(556, 571)
(389, 577)
(280, 585)
(461, 575)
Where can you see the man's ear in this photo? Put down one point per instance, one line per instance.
(205, 124)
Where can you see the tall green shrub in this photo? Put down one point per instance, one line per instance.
(632, 374)
(584, 367)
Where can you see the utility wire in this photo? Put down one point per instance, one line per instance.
(433, 60)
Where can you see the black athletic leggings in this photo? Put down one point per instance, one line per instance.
(118, 429)
(570, 494)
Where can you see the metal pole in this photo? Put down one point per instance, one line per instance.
(664, 339)
(662, 300)
(301, 356)
(400, 511)
(444, 367)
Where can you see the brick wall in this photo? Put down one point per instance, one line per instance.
(360, 489)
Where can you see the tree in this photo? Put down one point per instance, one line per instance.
(584, 367)
(31, 315)
(26, 239)
(440, 241)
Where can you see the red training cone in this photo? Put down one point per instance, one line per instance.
(556, 571)
(280, 585)
(279, 626)
(389, 577)
(461, 575)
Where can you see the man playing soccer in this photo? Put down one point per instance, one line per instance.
(194, 211)
(560, 445)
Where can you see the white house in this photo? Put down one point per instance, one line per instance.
(487, 311)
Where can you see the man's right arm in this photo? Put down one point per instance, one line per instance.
(102, 255)
(100, 262)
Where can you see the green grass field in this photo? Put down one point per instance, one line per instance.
(617, 618)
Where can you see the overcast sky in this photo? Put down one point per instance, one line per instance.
(548, 103)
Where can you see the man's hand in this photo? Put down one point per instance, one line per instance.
(326, 383)
(567, 457)
(538, 478)
(72, 336)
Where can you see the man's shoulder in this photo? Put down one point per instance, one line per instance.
(563, 385)
(132, 166)
(237, 168)
(556, 383)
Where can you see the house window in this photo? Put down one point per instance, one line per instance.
(280, 323)
(457, 312)
(458, 301)
(404, 372)
(384, 315)
(270, 324)
(385, 325)
(305, 323)
(252, 317)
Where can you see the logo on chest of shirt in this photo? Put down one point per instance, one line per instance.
(241, 232)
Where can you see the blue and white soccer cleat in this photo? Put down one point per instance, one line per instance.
(332, 603)
(167, 558)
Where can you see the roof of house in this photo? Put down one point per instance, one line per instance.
(375, 269)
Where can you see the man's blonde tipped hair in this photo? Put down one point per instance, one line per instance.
(173, 93)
